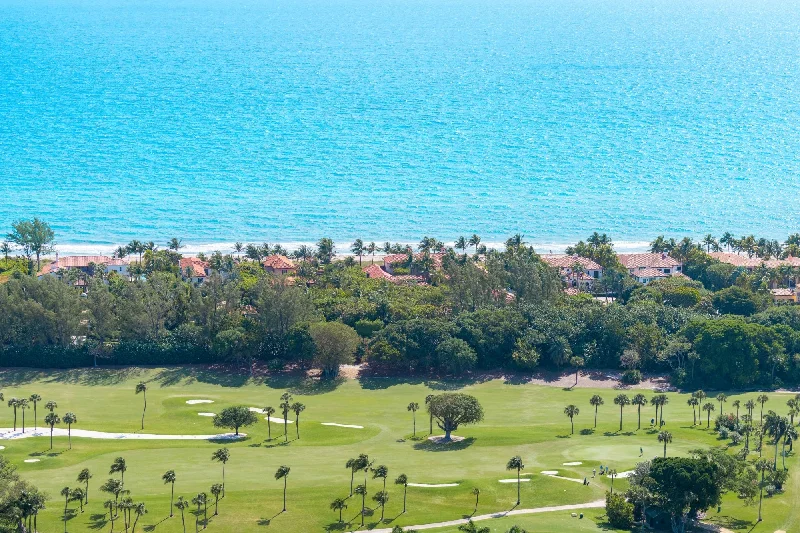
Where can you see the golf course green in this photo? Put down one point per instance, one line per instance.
(520, 420)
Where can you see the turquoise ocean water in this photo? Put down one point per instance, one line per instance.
(286, 120)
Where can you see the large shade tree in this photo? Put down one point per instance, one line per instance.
(452, 410)
(235, 418)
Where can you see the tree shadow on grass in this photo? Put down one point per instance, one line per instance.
(99, 521)
(268, 521)
(212, 375)
(76, 376)
(337, 526)
(587, 431)
(303, 385)
(730, 522)
(430, 446)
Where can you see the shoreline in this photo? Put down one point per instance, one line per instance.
(342, 247)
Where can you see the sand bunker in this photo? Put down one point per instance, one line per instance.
(207, 414)
(342, 425)
(523, 480)
(439, 439)
(195, 402)
(550, 472)
(624, 474)
(32, 460)
(2, 447)
(573, 463)
(432, 485)
(9, 434)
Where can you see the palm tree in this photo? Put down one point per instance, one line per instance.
(142, 387)
(77, 495)
(51, 406)
(339, 504)
(461, 244)
(269, 411)
(381, 472)
(622, 400)
(238, 247)
(515, 463)
(358, 249)
(223, 455)
(199, 501)
(762, 399)
(663, 400)
(354, 466)
(721, 398)
(639, 400)
(5, 249)
(325, 250)
(709, 408)
(23, 404)
(119, 466)
(428, 399)
(176, 244)
(789, 434)
(139, 509)
(283, 473)
(477, 493)
(169, 477)
(298, 408)
(762, 465)
(736, 404)
(70, 419)
(666, 438)
(182, 505)
(51, 420)
(516, 529)
(382, 498)
(362, 490)
(402, 479)
(470, 527)
(216, 490)
(596, 401)
(285, 406)
(775, 427)
(474, 241)
(65, 492)
(35, 399)
(83, 477)
(414, 407)
(750, 405)
(14, 403)
(613, 474)
(694, 403)
(572, 411)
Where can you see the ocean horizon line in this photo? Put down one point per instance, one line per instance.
(343, 247)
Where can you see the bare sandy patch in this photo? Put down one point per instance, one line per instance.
(32, 460)
(433, 485)
(522, 480)
(573, 463)
(207, 414)
(342, 425)
(10, 434)
(550, 472)
(276, 419)
(195, 402)
(439, 439)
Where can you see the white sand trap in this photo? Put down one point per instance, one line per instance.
(207, 414)
(624, 474)
(523, 480)
(2, 447)
(573, 463)
(195, 402)
(432, 485)
(550, 472)
(9, 434)
(342, 425)
(32, 460)
(439, 439)
(276, 419)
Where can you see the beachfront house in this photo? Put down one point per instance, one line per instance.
(783, 295)
(376, 272)
(194, 269)
(394, 261)
(648, 267)
(576, 272)
(85, 264)
(280, 265)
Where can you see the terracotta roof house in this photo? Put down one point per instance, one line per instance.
(194, 269)
(751, 263)
(646, 275)
(783, 295)
(376, 272)
(565, 265)
(279, 264)
(85, 264)
(641, 266)
(390, 260)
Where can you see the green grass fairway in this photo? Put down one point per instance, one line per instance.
(523, 420)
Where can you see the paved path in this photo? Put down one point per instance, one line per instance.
(591, 505)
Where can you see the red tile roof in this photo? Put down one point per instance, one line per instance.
(374, 271)
(753, 262)
(568, 261)
(630, 261)
(782, 292)
(80, 261)
(278, 262)
(197, 266)
(650, 273)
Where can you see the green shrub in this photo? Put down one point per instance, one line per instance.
(632, 376)
(619, 511)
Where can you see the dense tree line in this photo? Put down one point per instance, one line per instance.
(493, 309)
